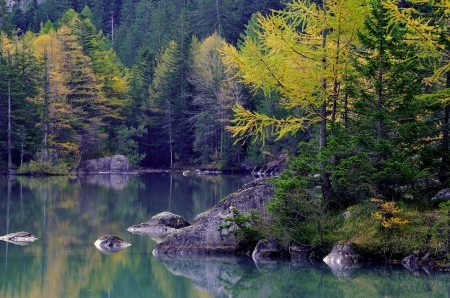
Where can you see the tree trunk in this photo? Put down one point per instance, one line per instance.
(326, 185)
(9, 125)
(218, 18)
(443, 171)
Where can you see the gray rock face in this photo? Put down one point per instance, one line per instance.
(159, 226)
(202, 236)
(116, 163)
(119, 163)
(19, 238)
(342, 254)
(110, 244)
(442, 194)
(266, 249)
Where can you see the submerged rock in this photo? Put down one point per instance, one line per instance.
(202, 237)
(19, 238)
(342, 254)
(110, 244)
(159, 226)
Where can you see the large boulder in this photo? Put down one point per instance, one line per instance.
(116, 163)
(443, 194)
(119, 163)
(202, 237)
(266, 249)
(341, 254)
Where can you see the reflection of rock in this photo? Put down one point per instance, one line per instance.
(345, 271)
(19, 238)
(267, 265)
(202, 237)
(115, 181)
(116, 163)
(217, 275)
(110, 244)
(159, 226)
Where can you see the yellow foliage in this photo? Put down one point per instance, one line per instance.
(294, 57)
(386, 214)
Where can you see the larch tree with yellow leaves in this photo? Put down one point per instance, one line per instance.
(302, 53)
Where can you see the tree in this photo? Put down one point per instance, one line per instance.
(301, 53)
(216, 92)
(165, 98)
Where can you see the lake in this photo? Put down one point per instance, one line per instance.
(68, 215)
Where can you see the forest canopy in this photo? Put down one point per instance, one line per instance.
(354, 91)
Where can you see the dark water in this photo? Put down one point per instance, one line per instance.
(68, 215)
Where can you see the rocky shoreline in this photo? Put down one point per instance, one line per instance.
(204, 237)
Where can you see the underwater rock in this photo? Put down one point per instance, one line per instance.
(110, 244)
(19, 238)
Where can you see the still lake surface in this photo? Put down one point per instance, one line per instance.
(68, 215)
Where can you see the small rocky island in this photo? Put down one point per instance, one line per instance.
(110, 244)
(19, 238)
(159, 226)
(203, 237)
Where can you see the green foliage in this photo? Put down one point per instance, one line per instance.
(247, 227)
(373, 239)
(126, 145)
(441, 231)
(43, 167)
(299, 212)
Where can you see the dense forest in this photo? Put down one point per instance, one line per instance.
(355, 93)
(89, 79)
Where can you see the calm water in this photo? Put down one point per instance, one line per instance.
(69, 215)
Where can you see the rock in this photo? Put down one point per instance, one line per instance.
(410, 262)
(347, 214)
(202, 236)
(19, 238)
(11, 172)
(343, 254)
(272, 168)
(119, 163)
(110, 244)
(159, 226)
(168, 219)
(443, 194)
(266, 249)
(116, 163)
(300, 253)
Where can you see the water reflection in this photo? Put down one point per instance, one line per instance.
(68, 215)
(239, 277)
(115, 181)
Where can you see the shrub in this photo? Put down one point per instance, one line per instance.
(43, 167)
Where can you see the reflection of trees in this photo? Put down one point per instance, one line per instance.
(67, 216)
(239, 277)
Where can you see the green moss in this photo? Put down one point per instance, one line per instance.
(372, 239)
